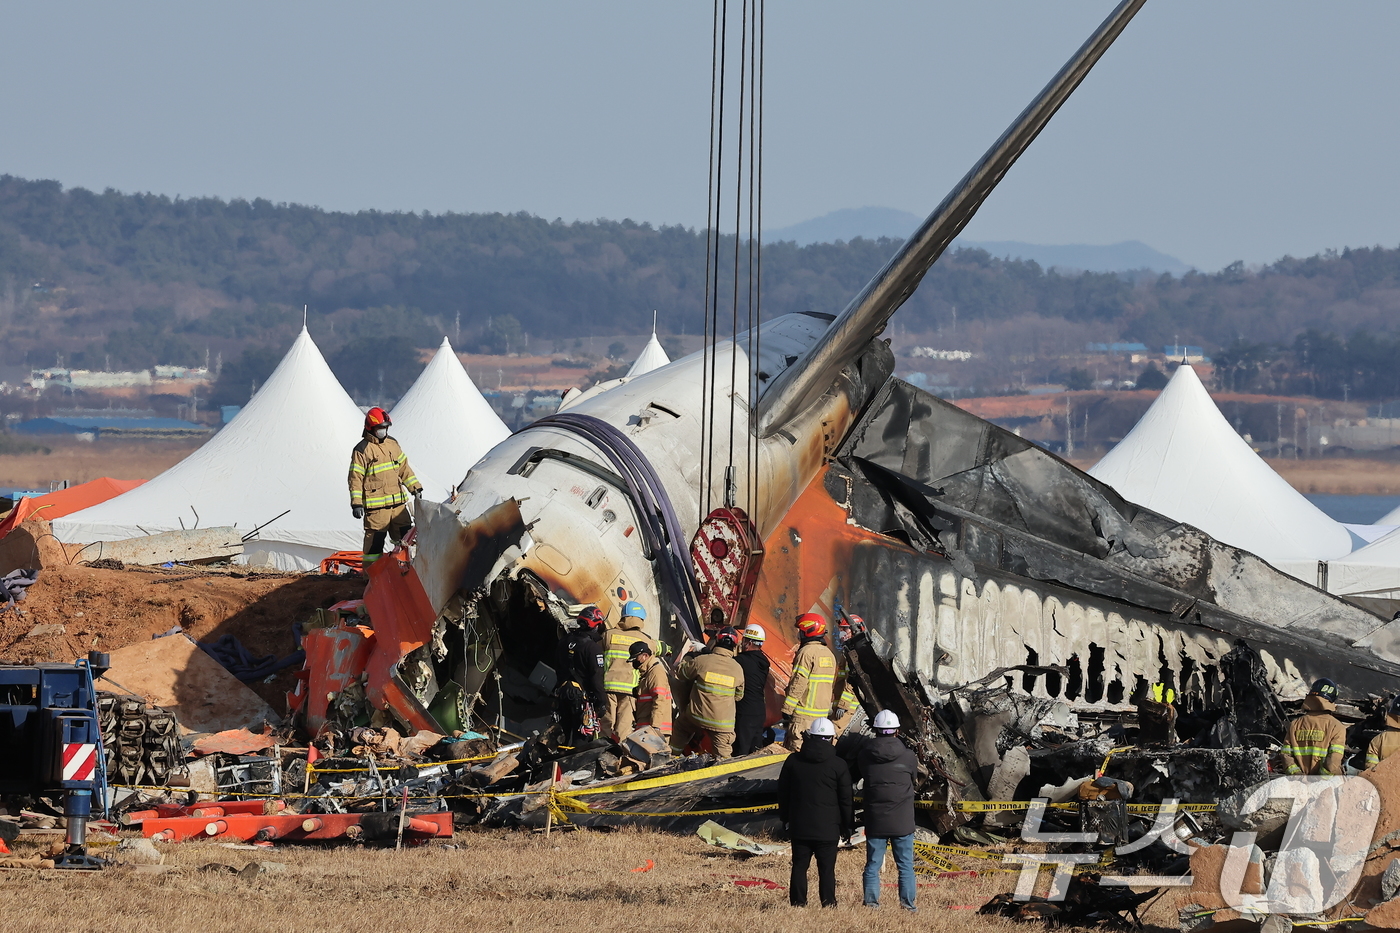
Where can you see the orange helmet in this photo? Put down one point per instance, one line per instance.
(811, 625)
(377, 418)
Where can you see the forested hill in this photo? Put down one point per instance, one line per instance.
(130, 280)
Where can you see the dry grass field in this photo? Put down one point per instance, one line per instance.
(78, 462)
(499, 880)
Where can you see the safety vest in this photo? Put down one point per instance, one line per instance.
(717, 682)
(379, 471)
(1385, 744)
(621, 676)
(654, 697)
(1315, 743)
(813, 676)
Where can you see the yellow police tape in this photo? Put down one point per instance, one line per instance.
(681, 777)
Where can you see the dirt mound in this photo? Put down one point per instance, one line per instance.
(74, 609)
(30, 546)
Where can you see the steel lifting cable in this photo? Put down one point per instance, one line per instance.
(720, 51)
(729, 495)
(711, 271)
(745, 263)
(755, 251)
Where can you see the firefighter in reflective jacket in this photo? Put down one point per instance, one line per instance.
(1316, 741)
(379, 473)
(713, 683)
(846, 704)
(653, 689)
(813, 677)
(1388, 742)
(620, 679)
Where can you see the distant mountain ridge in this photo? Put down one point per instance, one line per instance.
(876, 222)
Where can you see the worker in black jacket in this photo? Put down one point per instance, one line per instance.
(751, 712)
(579, 669)
(814, 801)
(891, 772)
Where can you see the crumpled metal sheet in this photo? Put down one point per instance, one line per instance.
(984, 552)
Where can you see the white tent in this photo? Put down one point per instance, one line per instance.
(651, 357)
(1185, 461)
(1373, 570)
(444, 425)
(288, 450)
(1390, 518)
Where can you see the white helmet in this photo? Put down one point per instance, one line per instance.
(822, 729)
(886, 720)
(754, 632)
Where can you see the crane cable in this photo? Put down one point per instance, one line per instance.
(746, 262)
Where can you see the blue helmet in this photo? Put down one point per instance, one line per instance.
(633, 610)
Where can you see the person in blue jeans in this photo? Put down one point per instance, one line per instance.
(890, 771)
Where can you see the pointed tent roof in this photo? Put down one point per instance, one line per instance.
(1183, 459)
(651, 357)
(287, 450)
(444, 425)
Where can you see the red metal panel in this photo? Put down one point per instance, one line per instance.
(403, 619)
(335, 658)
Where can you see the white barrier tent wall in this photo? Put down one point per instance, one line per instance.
(1185, 461)
(1372, 571)
(444, 425)
(287, 450)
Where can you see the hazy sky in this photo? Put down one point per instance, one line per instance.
(1212, 131)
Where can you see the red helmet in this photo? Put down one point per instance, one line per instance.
(727, 638)
(811, 625)
(377, 418)
(591, 617)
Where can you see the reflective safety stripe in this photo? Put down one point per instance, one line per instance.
(808, 707)
(1372, 760)
(386, 466)
(718, 725)
(357, 468)
(383, 502)
(621, 676)
(1313, 750)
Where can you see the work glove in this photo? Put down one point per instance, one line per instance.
(358, 511)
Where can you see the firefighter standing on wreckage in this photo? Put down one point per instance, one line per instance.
(578, 663)
(711, 684)
(1316, 741)
(813, 678)
(620, 679)
(379, 473)
(653, 688)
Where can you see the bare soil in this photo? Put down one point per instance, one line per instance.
(498, 880)
(108, 609)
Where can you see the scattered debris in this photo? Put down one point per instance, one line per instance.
(717, 835)
(138, 852)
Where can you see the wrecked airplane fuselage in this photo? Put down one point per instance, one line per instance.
(968, 551)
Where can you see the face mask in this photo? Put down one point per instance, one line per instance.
(381, 433)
